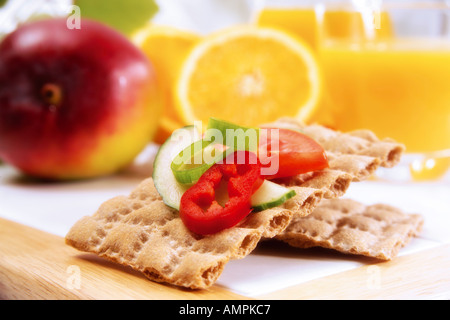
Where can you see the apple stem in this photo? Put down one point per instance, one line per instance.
(51, 94)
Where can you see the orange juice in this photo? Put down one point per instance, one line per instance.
(299, 21)
(303, 22)
(342, 24)
(398, 89)
(336, 24)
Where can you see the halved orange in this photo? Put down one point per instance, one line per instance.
(166, 47)
(249, 75)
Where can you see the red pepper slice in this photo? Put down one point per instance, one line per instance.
(199, 209)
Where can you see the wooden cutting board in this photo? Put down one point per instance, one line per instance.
(38, 265)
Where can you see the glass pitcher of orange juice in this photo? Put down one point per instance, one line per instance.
(391, 74)
(386, 67)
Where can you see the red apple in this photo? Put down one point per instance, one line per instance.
(74, 103)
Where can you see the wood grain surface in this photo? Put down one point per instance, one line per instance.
(421, 276)
(38, 265)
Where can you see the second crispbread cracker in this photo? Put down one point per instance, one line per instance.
(377, 231)
(140, 231)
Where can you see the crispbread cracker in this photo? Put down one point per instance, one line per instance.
(142, 232)
(377, 231)
(351, 152)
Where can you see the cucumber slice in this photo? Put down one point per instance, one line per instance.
(221, 139)
(270, 195)
(189, 165)
(233, 135)
(166, 184)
